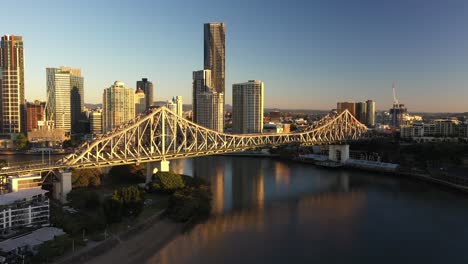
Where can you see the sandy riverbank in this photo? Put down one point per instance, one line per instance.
(141, 246)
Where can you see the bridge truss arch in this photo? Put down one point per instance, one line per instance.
(163, 135)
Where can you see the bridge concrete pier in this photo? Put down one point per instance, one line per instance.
(338, 153)
(153, 167)
(63, 186)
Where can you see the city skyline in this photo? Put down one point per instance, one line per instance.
(334, 56)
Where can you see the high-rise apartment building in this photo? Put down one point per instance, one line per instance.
(370, 113)
(148, 88)
(210, 107)
(95, 122)
(118, 106)
(247, 107)
(35, 113)
(398, 113)
(350, 106)
(361, 112)
(65, 98)
(201, 84)
(140, 101)
(12, 103)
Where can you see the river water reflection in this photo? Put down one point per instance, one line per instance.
(270, 211)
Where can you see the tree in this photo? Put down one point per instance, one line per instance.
(131, 198)
(21, 142)
(112, 210)
(127, 173)
(86, 178)
(84, 199)
(168, 182)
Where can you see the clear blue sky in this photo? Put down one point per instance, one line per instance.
(310, 54)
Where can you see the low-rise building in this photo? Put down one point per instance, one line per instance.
(438, 130)
(24, 208)
(18, 246)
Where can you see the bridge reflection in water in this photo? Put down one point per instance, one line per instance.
(254, 196)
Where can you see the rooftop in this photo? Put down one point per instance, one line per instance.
(12, 197)
(35, 238)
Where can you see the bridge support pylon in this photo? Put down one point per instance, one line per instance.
(338, 153)
(63, 186)
(152, 168)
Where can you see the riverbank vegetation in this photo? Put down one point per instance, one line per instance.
(190, 198)
(101, 206)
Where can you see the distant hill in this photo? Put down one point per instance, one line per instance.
(93, 106)
(228, 107)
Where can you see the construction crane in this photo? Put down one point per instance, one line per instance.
(395, 100)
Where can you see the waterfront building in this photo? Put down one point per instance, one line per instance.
(12, 103)
(95, 122)
(65, 98)
(118, 106)
(437, 130)
(247, 107)
(361, 112)
(370, 113)
(148, 89)
(24, 182)
(214, 60)
(35, 115)
(24, 208)
(140, 101)
(350, 106)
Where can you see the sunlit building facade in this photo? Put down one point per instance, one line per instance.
(118, 106)
(65, 98)
(12, 102)
(247, 107)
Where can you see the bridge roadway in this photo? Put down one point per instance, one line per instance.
(161, 135)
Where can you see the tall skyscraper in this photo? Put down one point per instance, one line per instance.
(247, 107)
(214, 49)
(65, 98)
(215, 60)
(35, 115)
(12, 103)
(77, 99)
(370, 113)
(361, 112)
(148, 88)
(118, 106)
(140, 101)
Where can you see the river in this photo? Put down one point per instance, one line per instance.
(271, 211)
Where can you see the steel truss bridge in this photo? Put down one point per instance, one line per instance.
(161, 135)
